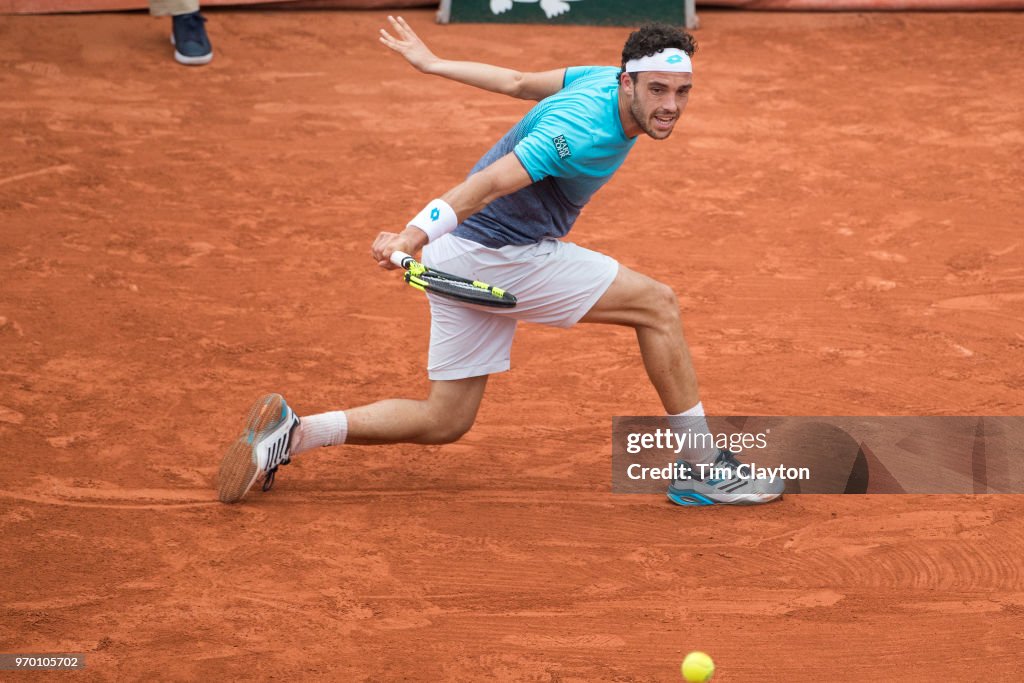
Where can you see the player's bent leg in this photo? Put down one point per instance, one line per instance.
(273, 432)
(651, 308)
(443, 417)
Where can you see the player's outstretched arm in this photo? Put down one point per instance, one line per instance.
(524, 85)
(504, 176)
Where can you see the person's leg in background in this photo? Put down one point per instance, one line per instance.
(188, 35)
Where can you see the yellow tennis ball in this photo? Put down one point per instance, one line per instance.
(698, 667)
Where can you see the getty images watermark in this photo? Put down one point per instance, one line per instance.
(824, 454)
(683, 442)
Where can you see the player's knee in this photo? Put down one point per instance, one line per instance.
(451, 409)
(450, 431)
(663, 304)
(449, 427)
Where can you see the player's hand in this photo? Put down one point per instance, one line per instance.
(411, 240)
(406, 43)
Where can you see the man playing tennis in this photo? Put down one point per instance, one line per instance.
(503, 225)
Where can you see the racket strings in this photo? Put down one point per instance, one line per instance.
(461, 285)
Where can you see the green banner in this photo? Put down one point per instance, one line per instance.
(595, 12)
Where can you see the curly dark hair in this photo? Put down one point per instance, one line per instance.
(652, 38)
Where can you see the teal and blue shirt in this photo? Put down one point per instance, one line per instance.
(570, 143)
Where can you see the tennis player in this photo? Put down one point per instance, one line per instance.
(504, 225)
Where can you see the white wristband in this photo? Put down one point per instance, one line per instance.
(436, 219)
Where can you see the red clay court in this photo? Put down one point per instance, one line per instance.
(839, 211)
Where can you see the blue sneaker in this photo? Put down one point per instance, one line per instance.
(188, 36)
(265, 445)
(723, 486)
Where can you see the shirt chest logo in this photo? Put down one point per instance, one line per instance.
(562, 147)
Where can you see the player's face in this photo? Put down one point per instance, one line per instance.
(658, 101)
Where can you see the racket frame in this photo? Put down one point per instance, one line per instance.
(417, 275)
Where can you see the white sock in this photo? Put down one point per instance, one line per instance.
(694, 421)
(325, 429)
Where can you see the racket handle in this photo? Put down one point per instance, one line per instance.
(401, 259)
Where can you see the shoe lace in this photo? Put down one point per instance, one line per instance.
(192, 26)
(727, 459)
(268, 479)
(724, 459)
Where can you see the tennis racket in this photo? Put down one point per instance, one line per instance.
(452, 286)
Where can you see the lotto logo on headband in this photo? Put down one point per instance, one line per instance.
(670, 59)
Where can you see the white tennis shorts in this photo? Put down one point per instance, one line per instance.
(555, 282)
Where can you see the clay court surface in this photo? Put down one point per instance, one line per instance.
(839, 211)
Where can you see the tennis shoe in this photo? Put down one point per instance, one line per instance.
(188, 36)
(265, 445)
(724, 484)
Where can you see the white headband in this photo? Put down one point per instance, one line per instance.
(670, 59)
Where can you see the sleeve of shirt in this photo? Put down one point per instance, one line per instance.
(574, 72)
(555, 147)
(558, 146)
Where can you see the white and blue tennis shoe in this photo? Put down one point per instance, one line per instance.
(265, 445)
(724, 484)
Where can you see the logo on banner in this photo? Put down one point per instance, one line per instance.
(552, 8)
